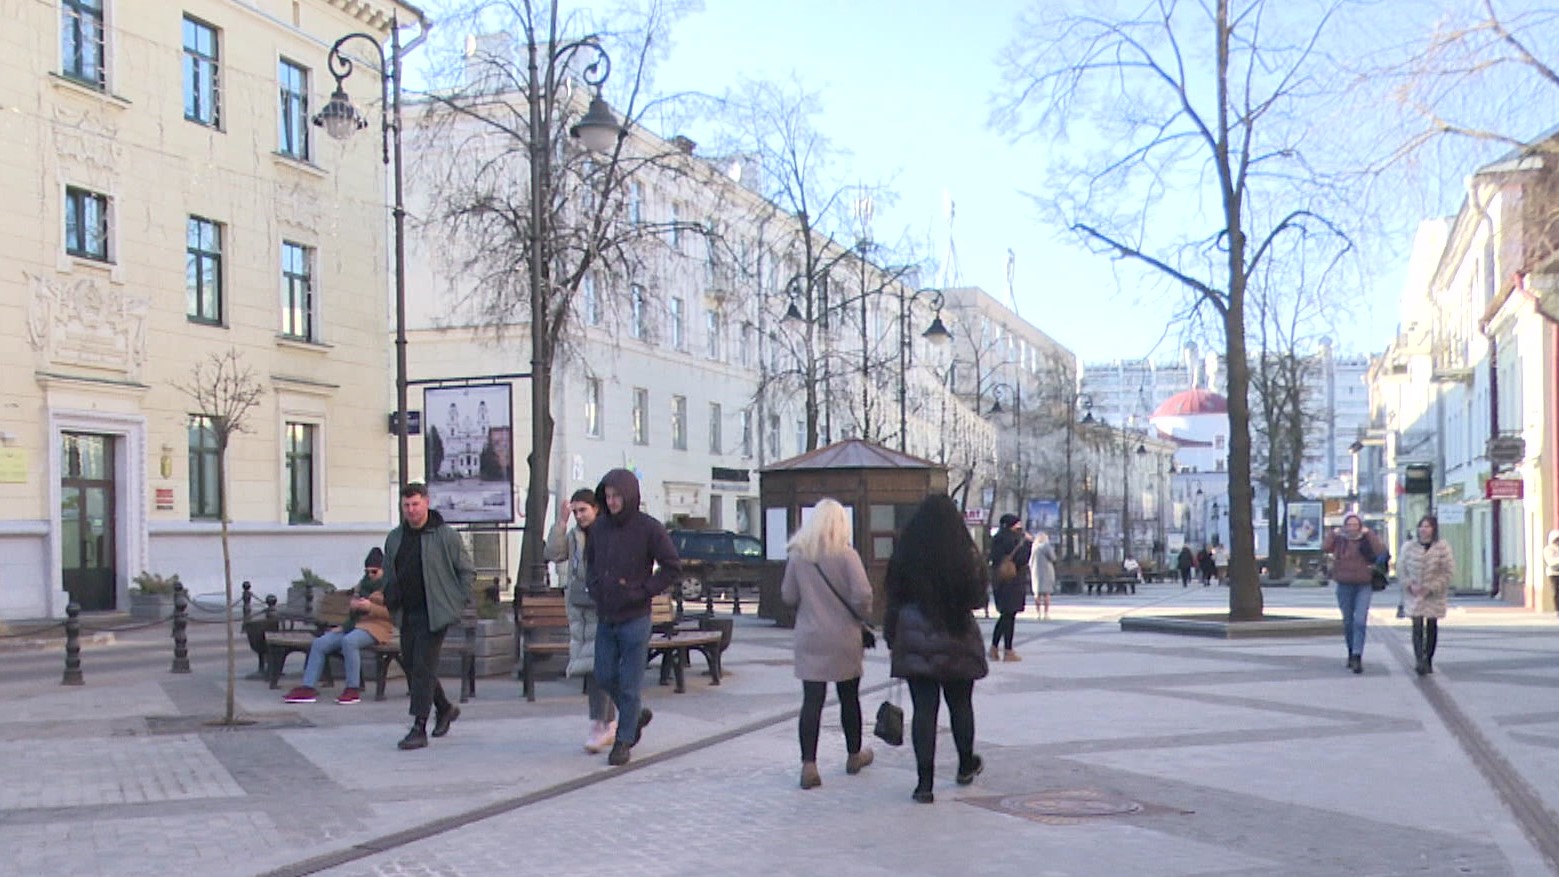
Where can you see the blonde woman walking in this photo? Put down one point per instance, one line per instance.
(1424, 567)
(826, 582)
(1042, 570)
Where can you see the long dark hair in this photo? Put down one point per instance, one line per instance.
(936, 565)
(1434, 524)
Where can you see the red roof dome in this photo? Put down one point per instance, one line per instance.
(1189, 402)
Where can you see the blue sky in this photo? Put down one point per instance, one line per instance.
(907, 89)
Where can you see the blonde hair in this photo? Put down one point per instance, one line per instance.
(1041, 538)
(826, 530)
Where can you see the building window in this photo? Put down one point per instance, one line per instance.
(300, 473)
(593, 407)
(202, 94)
(678, 325)
(297, 314)
(203, 270)
(641, 423)
(774, 435)
(636, 203)
(679, 422)
(801, 434)
(636, 326)
(86, 224)
(81, 41)
(714, 429)
(205, 477)
(676, 227)
(744, 352)
(746, 432)
(712, 334)
(294, 127)
(591, 302)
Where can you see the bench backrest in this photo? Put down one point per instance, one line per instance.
(540, 611)
(662, 611)
(334, 607)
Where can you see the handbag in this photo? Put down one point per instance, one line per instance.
(1378, 577)
(1007, 569)
(868, 633)
(890, 719)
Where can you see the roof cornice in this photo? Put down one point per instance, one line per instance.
(377, 14)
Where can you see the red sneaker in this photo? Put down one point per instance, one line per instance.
(350, 695)
(301, 694)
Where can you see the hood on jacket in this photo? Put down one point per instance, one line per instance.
(627, 486)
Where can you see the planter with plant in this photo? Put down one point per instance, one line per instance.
(151, 596)
(298, 595)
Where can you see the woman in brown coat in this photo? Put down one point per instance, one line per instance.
(826, 582)
(1424, 567)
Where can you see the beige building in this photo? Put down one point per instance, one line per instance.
(167, 199)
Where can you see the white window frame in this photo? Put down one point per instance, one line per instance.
(716, 439)
(641, 416)
(593, 407)
(679, 423)
(286, 99)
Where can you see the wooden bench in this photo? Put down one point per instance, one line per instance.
(674, 639)
(543, 633)
(1111, 584)
(333, 609)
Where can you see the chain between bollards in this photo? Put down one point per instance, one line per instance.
(73, 645)
(180, 639)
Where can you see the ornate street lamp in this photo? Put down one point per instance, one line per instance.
(341, 120)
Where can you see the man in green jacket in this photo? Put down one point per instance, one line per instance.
(428, 577)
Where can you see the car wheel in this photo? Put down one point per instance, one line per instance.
(692, 589)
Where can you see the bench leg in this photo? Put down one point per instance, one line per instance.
(467, 676)
(275, 659)
(678, 658)
(381, 672)
(712, 656)
(527, 673)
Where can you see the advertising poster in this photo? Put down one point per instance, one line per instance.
(1304, 526)
(1043, 514)
(468, 453)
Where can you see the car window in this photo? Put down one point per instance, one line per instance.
(748, 546)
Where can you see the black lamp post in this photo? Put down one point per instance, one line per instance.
(341, 120)
(1086, 401)
(1013, 392)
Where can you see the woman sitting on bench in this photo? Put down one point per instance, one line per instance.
(368, 624)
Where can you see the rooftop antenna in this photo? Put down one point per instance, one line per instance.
(1012, 271)
(950, 274)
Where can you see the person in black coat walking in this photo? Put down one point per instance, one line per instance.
(1208, 565)
(1183, 562)
(1010, 594)
(935, 581)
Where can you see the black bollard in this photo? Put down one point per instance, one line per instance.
(180, 639)
(468, 670)
(248, 599)
(308, 600)
(270, 610)
(73, 645)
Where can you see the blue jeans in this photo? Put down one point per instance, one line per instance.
(621, 651)
(350, 644)
(1354, 601)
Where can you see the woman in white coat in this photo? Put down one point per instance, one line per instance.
(1424, 567)
(826, 582)
(1042, 572)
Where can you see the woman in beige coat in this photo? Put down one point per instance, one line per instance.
(826, 582)
(1424, 567)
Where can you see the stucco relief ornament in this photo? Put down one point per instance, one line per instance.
(86, 140)
(80, 323)
(298, 204)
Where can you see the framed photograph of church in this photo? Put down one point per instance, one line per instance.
(468, 452)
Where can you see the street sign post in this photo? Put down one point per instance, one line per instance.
(1506, 450)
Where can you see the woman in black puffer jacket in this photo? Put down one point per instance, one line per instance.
(935, 581)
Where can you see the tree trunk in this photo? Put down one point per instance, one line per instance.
(229, 716)
(1245, 601)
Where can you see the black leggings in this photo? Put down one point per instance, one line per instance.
(1006, 625)
(812, 696)
(924, 694)
(1426, 635)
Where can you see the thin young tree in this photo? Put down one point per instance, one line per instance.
(1206, 102)
(224, 392)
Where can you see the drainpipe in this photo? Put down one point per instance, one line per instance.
(1494, 505)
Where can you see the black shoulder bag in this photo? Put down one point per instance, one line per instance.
(1378, 577)
(868, 634)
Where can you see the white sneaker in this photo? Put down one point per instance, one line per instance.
(602, 734)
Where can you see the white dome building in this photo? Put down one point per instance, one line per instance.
(1197, 421)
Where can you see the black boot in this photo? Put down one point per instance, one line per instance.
(417, 737)
(443, 719)
(1420, 663)
(1356, 663)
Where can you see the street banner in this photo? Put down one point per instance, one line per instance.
(1043, 515)
(468, 453)
(1304, 526)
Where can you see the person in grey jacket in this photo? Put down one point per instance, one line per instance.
(935, 581)
(428, 576)
(826, 582)
(566, 547)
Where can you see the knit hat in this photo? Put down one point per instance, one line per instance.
(375, 558)
(1008, 520)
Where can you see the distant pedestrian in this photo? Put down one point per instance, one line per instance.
(629, 559)
(1551, 564)
(566, 547)
(1354, 551)
(935, 581)
(428, 575)
(1208, 564)
(1042, 569)
(1183, 562)
(826, 582)
(1009, 593)
(1424, 568)
(367, 624)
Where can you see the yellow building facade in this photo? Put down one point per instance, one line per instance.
(167, 199)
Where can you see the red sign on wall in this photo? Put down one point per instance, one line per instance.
(164, 499)
(1503, 488)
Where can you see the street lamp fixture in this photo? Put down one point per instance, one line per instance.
(341, 120)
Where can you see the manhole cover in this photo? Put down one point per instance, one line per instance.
(1068, 806)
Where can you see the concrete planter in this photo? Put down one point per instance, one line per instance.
(494, 647)
(149, 607)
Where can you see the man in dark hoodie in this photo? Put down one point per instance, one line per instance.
(428, 576)
(630, 559)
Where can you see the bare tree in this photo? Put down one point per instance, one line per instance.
(1193, 99)
(595, 228)
(224, 392)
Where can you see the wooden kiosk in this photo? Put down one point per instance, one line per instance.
(880, 489)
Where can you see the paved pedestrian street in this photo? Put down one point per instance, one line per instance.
(1107, 753)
